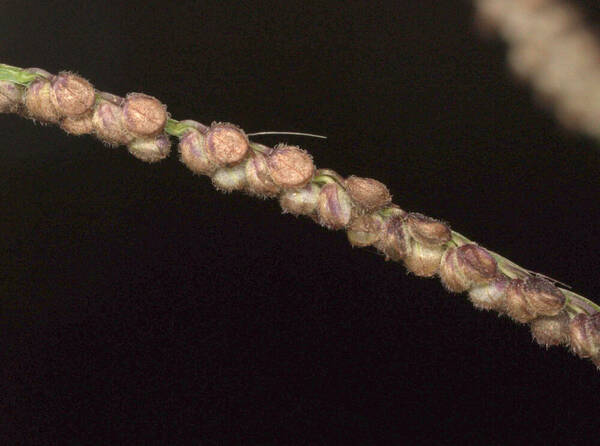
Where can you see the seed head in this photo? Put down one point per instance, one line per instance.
(394, 240)
(334, 207)
(144, 115)
(11, 97)
(71, 95)
(257, 176)
(228, 179)
(527, 298)
(192, 148)
(38, 103)
(150, 149)
(300, 201)
(550, 330)
(584, 334)
(78, 125)
(365, 230)
(368, 193)
(490, 296)
(289, 166)
(226, 145)
(108, 124)
(466, 266)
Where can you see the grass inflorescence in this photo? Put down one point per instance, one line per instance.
(361, 206)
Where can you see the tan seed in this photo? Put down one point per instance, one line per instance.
(144, 115)
(290, 167)
(226, 145)
(72, 95)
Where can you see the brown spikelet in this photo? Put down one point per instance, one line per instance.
(367, 193)
(38, 104)
(71, 94)
(365, 230)
(301, 201)
(144, 115)
(78, 125)
(11, 97)
(150, 150)
(550, 330)
(334, 207)
(517, 306)
(466, 266)
(584, 335)
(394, 240)
(108, 124)
(490, 295)
(228, 179)
(423, 260)
(259, 182)
(192, 149)
(226, 144)
(290, 166)
(427, 230)
(450, 274)
(543, 296)
(527, 298)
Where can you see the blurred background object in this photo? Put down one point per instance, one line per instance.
(552, 46)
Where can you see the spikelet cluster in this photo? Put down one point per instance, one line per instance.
(361, 206)
(70, 101)
(551, 47)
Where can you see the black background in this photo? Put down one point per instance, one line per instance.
(137, 303)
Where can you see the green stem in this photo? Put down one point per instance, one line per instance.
(16, 75)
(175, 128)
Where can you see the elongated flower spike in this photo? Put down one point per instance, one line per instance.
(360, 206)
